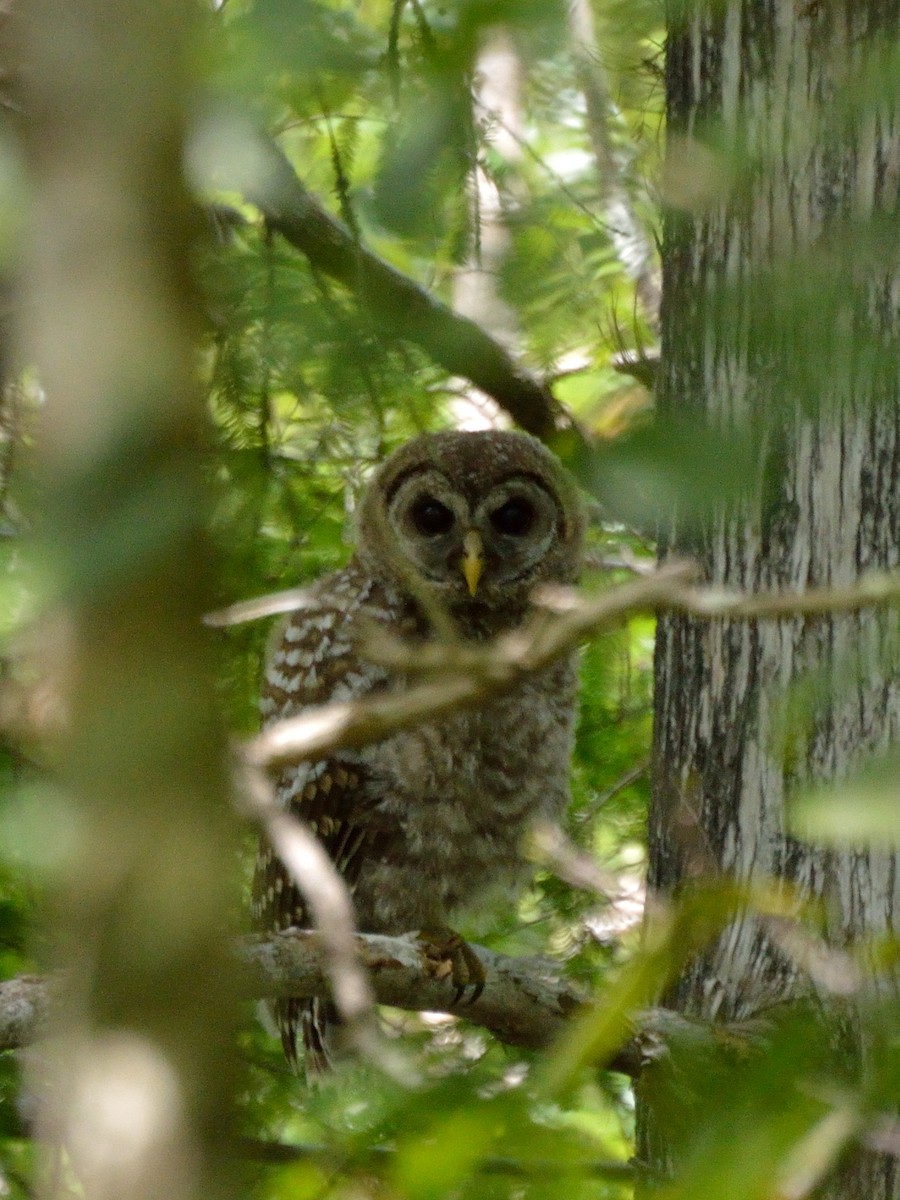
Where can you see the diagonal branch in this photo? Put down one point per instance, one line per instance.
(329, 903)
(464, 675)
(401, 306)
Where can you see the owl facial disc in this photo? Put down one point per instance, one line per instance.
(472, 520)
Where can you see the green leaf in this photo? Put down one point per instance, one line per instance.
(861, 811)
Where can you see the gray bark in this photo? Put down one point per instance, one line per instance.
(780, 318)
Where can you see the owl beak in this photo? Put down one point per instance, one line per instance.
(472, 559)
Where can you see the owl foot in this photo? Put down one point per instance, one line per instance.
(447, 954)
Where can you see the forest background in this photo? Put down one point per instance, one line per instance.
(338, 178)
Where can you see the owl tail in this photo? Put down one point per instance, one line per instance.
(315, 1022)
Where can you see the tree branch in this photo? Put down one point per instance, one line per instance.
(331, 908)
(465, 674)
(524, 1002)
(403, 308)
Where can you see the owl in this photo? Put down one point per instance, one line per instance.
(456, 530)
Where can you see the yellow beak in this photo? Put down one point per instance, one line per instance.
(473, 559)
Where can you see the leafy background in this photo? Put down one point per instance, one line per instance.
(375, 105)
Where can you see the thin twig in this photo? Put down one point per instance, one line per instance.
(550, 847)
(331, 909)
(632, 775)
(271, 605)
(872, 590)
(464, 674)
(288, 600)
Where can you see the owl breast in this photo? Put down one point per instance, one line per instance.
(457, 797)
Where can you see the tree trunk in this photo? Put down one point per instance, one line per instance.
(780, 321)
(133, 1088)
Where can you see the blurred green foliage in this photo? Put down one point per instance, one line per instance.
(373, 103)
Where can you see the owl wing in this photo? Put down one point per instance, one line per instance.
(326, 803)
(315, 660)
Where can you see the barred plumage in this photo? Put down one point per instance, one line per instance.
(423, 823)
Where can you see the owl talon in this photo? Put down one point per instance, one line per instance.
(475, 977)
(447, 954)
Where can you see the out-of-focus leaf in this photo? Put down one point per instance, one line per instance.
(751, 1127)
(861, 811)
(671, 466)
(427, 1169)
(673, 936)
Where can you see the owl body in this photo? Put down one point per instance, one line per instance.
(424, 823)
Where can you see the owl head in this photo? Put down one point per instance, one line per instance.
(472, 519)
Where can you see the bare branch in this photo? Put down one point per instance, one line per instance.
(550, 847)
(271, 605)
(274, 604)
(467, 674)
(625, 780)
(872, 590)
(524, 1002)
(332, 911)
(642, 365)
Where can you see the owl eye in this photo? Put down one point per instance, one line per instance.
(513, 518)
(431, 517)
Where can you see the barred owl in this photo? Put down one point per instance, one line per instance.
(423, 823)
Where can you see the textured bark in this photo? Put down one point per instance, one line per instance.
(817, 387)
